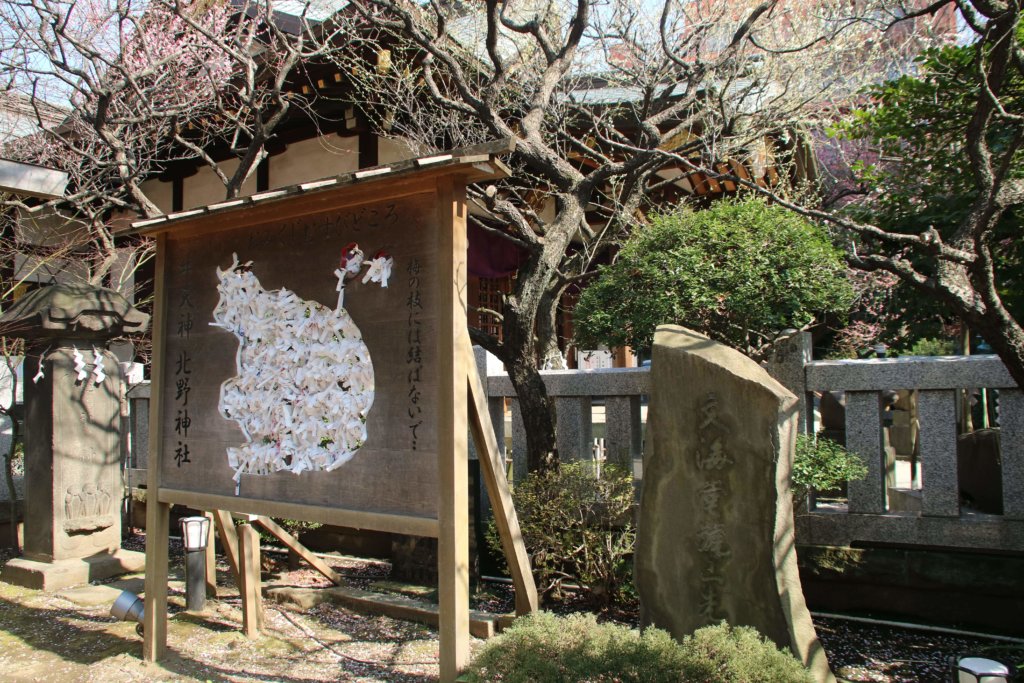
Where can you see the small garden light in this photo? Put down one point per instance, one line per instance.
(129, 607)
(979, 670)
(195, 532)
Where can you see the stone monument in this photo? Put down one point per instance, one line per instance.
(72, 392)
(716, 539)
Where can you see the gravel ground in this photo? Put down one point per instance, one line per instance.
(863, 652)
(46, 637)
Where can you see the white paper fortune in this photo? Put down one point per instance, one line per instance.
(305, 379)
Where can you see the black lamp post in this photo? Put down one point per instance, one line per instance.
(195, 532)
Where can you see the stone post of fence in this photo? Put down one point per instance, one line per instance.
(785, 362)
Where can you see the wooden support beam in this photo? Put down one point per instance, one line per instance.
(453, 361)
(493, 470)
(481, 624)
(356, 519)
(154, 642)
(228, 540)
(302, 551)
(211, 560)
(251, 586)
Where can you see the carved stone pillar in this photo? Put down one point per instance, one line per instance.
(72, 389)
(715, 537)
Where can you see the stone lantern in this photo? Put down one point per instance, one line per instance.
(72, 392)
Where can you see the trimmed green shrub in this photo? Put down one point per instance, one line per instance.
(577, 526)
(823, 465)
(739, 271)
(544, 648)
(932, 347)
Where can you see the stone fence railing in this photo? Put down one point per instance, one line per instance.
(578, 395)
(868, 517)
(601, 414)
(938, 383)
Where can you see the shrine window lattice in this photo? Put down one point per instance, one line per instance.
(489, 296)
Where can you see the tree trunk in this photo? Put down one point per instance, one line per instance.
(538, 411)
(522, 349)
(974, 298)
(551, 357)
(1006, 338)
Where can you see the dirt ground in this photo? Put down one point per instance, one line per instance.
(70, 636)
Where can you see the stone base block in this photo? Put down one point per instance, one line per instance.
(52, 576)
(904, 500)
(976, 590)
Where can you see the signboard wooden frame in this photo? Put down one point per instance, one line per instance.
(426, 192)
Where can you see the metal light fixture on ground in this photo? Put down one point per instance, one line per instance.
(129, 607)
(194, 533)
(979, 670)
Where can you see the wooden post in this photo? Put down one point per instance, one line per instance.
(250, 584)
(154, 642)
(228, 540)
(299, 550)
(211, 559)
(505, 518)
(453, 363)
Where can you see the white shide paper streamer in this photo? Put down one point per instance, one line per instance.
(98, 374)
(305, 379)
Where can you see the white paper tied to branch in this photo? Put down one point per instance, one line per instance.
(378, 269)
(305, 378)
(40, 373)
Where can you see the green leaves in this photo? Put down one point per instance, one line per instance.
(823, 465)
(739, 271)
(918, 174)
(577, 525)
(544, 648)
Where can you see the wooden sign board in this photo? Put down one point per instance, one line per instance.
(409, 474)
(395, 471)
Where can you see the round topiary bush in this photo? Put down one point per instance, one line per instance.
(544, 648)
(739, 271)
